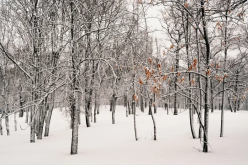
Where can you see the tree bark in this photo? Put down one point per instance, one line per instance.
(153, 120)
(114, 98)
(49, 114)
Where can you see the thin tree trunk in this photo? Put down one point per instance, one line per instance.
(111, 105)
(114, 98)
(191, 121)
(129, 109)
(153, 120)
(230, 104)
(32, 125)
(7, 124)
(141, 104)
(15, 121)
(212, 96)
(74, 101)
(206, 106)
(224, 78)
(134, 119)
(96, 105)
(1, 126)
(154, 105)
(125, 100)
(27, 111)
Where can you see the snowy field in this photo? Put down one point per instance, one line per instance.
(107, 144)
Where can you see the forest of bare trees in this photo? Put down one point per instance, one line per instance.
(80, 54)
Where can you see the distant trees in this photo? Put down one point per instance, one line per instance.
(72, 52)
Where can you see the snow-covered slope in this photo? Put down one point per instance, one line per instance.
(107, 144)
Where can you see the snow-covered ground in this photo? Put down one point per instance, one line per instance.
(107, 144)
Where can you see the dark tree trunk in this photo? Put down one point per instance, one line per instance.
(49, 114)
(111, 105)
(41, 120)
(153, 120)
(125, 100)
(114, 98)
(7, 119)
(129, 108)
(154, 105)
(141, 104)
(1, 126)
(134, 118)
(206, 99)
(212, 96)
(32, 126)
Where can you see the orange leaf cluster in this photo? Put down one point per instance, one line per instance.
(225, 75)
(186, 5)
(155, 90)
(172, 69)
(193, 66)
(178, 74)
(150, 60)
(159, 66)
(155, 80)
(208, 72)
(148, 74)
(140, 81)
(192, 81)
(190, 68)
(221, 79)
(217, 66)
(164, 77)
(172, 46)
(135, 96)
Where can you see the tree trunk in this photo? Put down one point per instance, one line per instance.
(15, 121)
(111, 105)
(206, 106)
(129, 109)
(114, 98)
(141, 104)
(224, 78)
(134, 118)
(43, 111)
(212, 96)
(153, 120)
(154, 105)
(1, 126)
(49, 114)
(32, 125)
(27, 111)
(21, 104)
(230, 104)
(125, 100)
(96, 105)
(75, 120)
(191, 121)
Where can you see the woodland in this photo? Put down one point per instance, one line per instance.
(81, 55)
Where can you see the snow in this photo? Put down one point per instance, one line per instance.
(107, 144)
